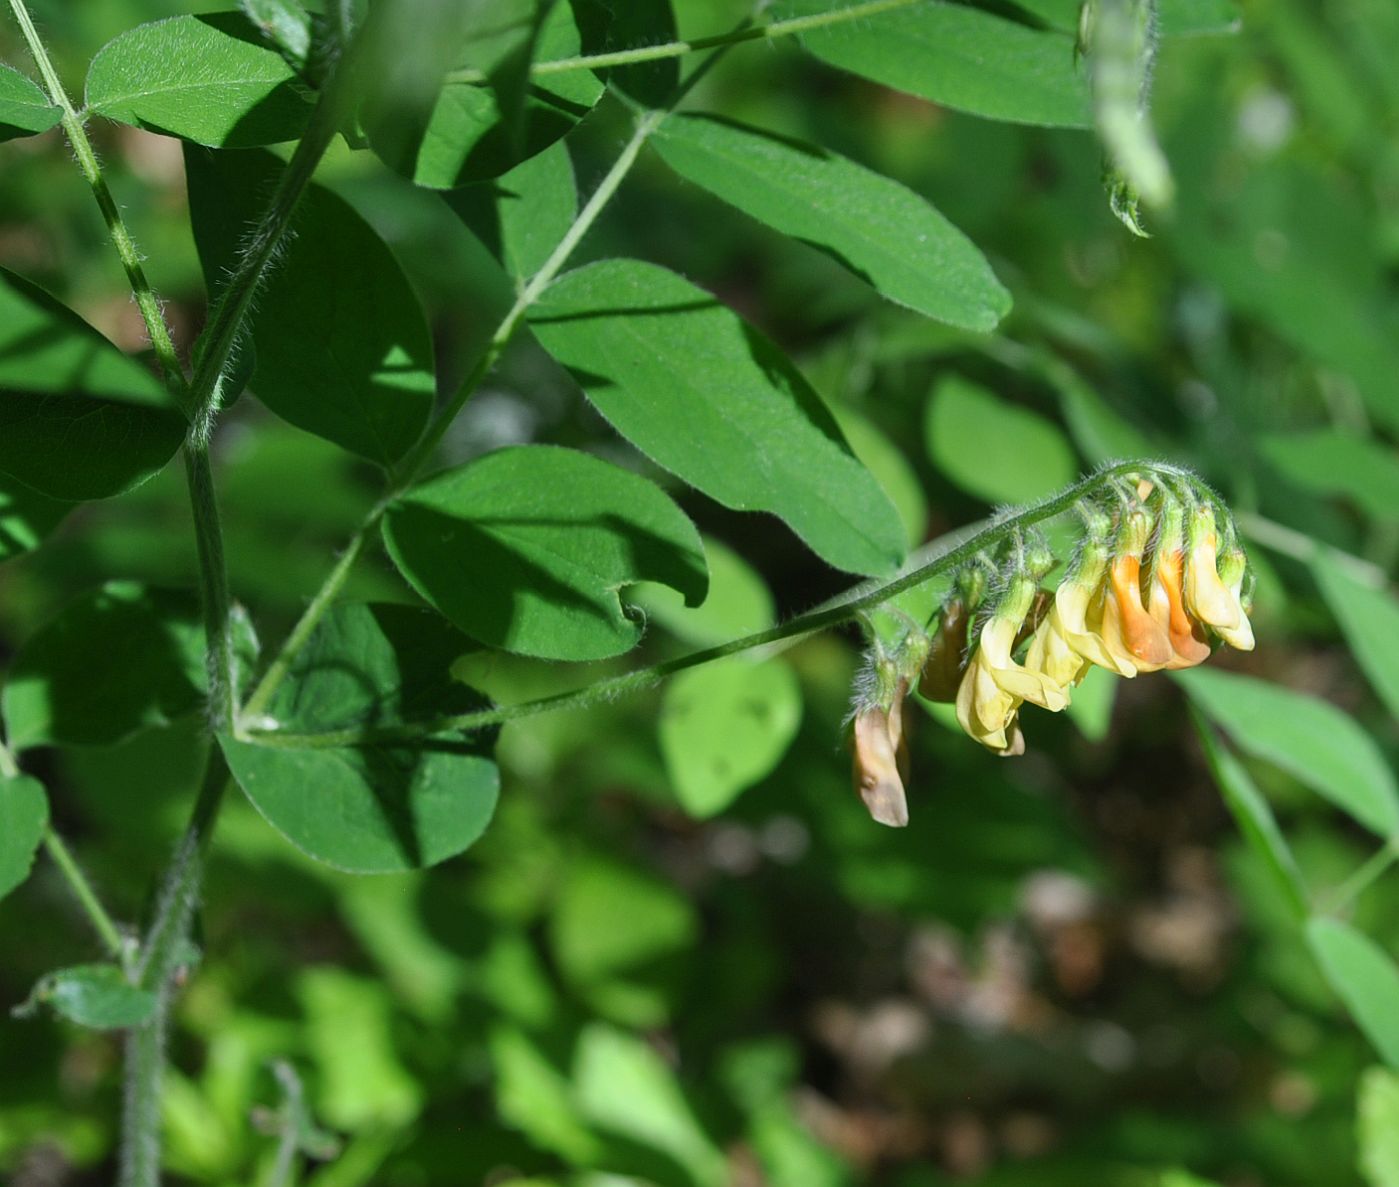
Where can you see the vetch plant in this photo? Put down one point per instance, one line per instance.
(357, 735)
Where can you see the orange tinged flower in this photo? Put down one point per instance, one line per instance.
(1167, 606)
(1128, 630)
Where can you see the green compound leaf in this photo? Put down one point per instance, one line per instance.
(882, 231)
(94, 995)
(211, 79)
(1364, 976)
(24, 109)
(1254, 818)
(24, 815)
(78, 419)
(704, 395)
(997, 451)
(373, 809)
(1331, 462)
(528, 548)
(958, 57)
(26, 517)
(117, 660)
(1308, 738)
(1369, 618)
(521, 216)
(481, 129)
(725, 727)
(368, 384)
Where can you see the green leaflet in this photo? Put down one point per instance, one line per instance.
(93, 995)
(1369, 619)
(78, 419)
(960, 57)
(211, 79)
(1331, 462)
(370, 808)
(26, 517)
(24, 109)
(704, 395)
(1364, 976)
(368, 384)
(1310, 739)
(527, 549)
(24, 815)
(880, 230)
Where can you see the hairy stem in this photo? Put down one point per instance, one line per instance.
(675, 49)
(1002, 528)
(146, 301)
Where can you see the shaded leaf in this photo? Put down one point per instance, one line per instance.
(24, 815)
(738, 602)
(481, 129)
(1369, 618)
(725, 727)
(95, 995)
(959, 57)
(211, 79)
(1365, 977)
(882, 231)
(1091, 708)
(26, 517)
(24, 109)
(1309, 738)
(286, 24)
(702, 394)
(368, 385)
(611, 25)
(528, 548)
(997, 451)
(116, 660)
(78, 419)
(372, 808)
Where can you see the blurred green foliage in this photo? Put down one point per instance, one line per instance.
(1070, 970)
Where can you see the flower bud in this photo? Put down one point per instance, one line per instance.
(947, 653)
(1206, 596)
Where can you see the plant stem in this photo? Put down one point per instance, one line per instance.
(1000, 529)
(409, 468)
(675, 49)
(146, 300)
(159, 956)
(213, 583)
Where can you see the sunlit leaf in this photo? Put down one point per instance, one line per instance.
(880, 230)
(211, 79)
(704, 395)
(1365, 977)
(24, 109)
(24, 815)
(1378, 1128)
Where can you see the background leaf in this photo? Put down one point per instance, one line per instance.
(26, 517)
(368, 385)
(24, 815)
(373, 808)
(882, 231)
(528, 548)
(1378, 1127)
(738, 602)
(78, 419)
(703, 395)
(1309, 738)
(1330, 462)
(1364, 976)
(1369, 618)
(724, 727)
(957, 57)
(211, 79)
(997, 451)
(24, 109)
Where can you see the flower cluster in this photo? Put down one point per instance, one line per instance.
(1158, 575)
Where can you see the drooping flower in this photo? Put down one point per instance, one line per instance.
(942, 673)
(881, 761)
(1129, 632)
(1206, 596)
(1233, 570)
